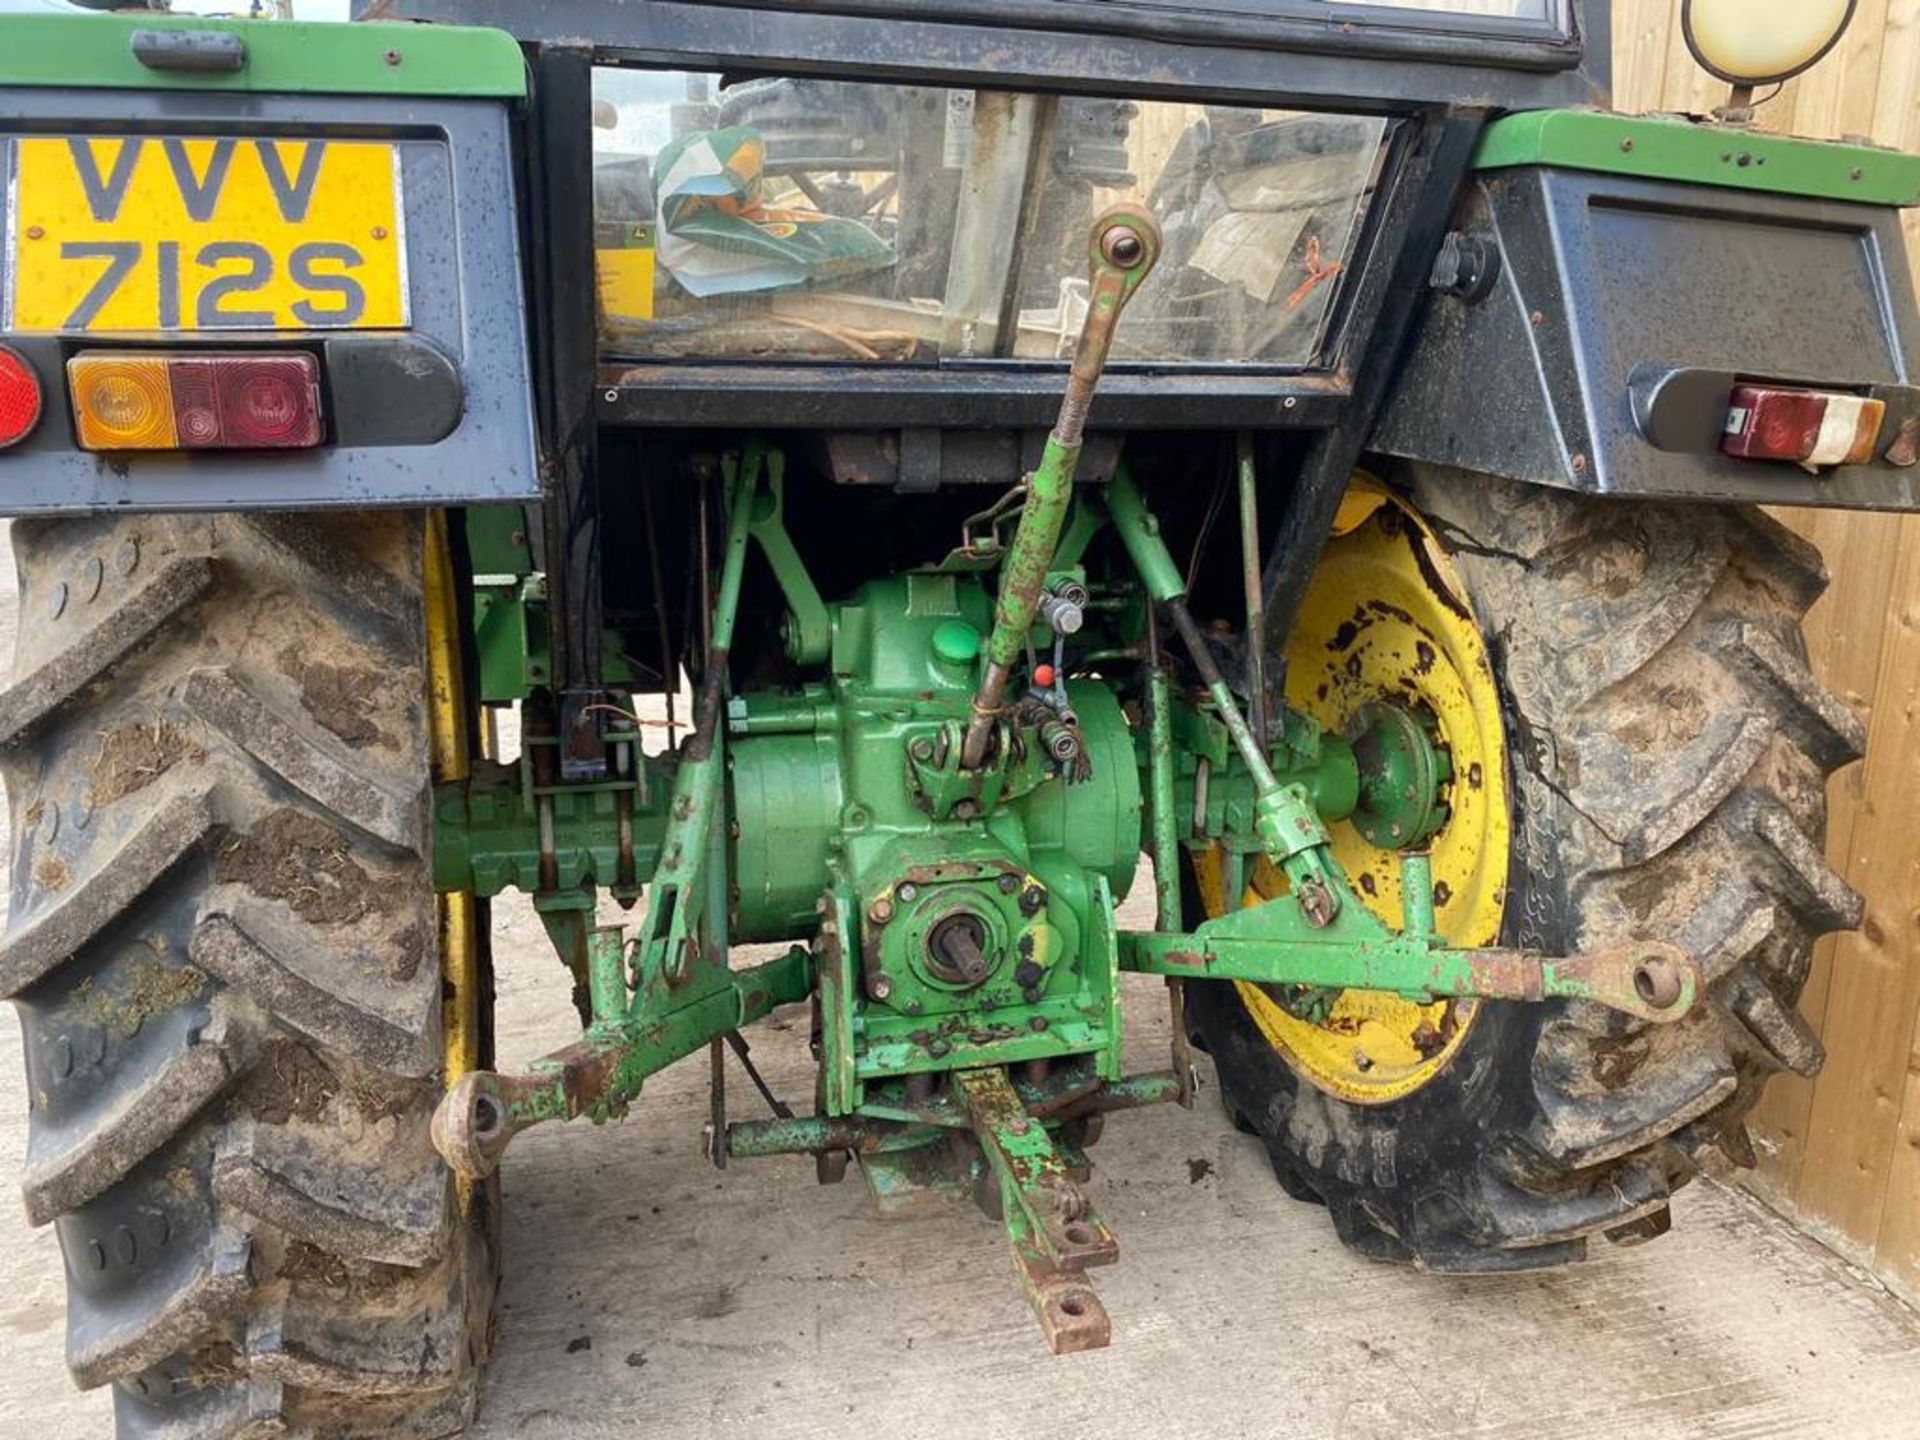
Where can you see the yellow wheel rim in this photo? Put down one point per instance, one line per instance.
(1386, 619)
(457, 913)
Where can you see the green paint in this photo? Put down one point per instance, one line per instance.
(1276, 944)
(1416, 896)
(486, 833)
(86, 51)
(1030, 555)
(607, 979)
(1291, 833)
(834, 813)
(1675, 148)
(853, 788)
(956, 642)
(643, 1048)
(497, 541)
(1140, 533)
(510, 634)
(1166, 809)
(682, 949)
(1403, 773)
(806, 628)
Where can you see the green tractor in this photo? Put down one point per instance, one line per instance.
(911, 474)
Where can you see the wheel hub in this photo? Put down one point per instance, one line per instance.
(1386, 653)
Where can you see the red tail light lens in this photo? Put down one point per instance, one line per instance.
(269, 403)
(196, 402)
(1812, 427)
(19, 397)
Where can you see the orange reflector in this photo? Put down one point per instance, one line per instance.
(121, 402)
(125, 400)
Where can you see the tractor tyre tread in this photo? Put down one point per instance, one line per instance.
(1670, 749)
(223, 945)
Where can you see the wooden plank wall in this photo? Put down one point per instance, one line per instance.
(1842, 1153)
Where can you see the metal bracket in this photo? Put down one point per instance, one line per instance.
(1053, 1228)
(1275, 944)
(599, 1075)
(809, 629)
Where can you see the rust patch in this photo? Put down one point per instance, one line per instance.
(343, 698)
(50, 872)
(134, 756)
(1424, 658)
(33, 814)
(294, 857)
(1198, 1170)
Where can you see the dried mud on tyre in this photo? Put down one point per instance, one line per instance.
(1669, 750)
(223, 947)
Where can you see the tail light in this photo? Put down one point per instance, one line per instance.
(1811, 427)
(124, 400)
(19, 397)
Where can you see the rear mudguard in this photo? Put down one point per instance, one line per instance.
(1588, 324)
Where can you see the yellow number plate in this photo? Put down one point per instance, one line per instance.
(154, 233)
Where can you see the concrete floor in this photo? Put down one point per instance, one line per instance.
(647, 1294)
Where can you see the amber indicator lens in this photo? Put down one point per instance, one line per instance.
(124, 400)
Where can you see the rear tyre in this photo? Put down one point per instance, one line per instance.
(227, 959)
(1668, 750)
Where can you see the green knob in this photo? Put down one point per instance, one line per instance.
(956, 642)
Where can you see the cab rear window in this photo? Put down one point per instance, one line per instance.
(797, 218)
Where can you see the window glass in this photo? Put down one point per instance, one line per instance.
(778, 219)
(1502, 9)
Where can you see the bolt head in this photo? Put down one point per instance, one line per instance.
(908, 893)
